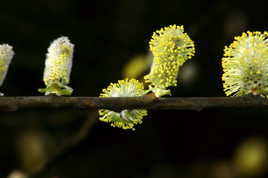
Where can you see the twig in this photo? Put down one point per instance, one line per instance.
(8, 104)
(68, 146)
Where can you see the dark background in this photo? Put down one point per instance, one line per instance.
(107, 34)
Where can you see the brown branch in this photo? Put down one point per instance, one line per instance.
(8, 104)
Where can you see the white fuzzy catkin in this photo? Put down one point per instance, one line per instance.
(6, 55)
(59, 62)
(58, 67)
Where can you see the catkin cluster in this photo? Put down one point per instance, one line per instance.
(57, 66)
(170, 47)
(245, 70)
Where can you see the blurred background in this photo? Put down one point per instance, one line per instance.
(111, 43)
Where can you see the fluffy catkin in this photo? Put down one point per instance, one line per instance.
(6, 55)
(171, 47)
(125, 119)
(58, 67)
(245, 65)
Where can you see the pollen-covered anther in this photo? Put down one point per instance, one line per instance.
(171, 47)
(245, 65)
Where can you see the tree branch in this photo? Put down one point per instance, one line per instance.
(8, 104)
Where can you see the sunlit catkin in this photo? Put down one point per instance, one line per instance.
(128, 118)
(245, 65)
(171, 47)
(58, 67)
(6, 55)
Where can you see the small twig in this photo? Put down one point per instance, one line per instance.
(68, 145)
(8, 104)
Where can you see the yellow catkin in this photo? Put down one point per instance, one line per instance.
(245, 65)
(171, 47)
(125, 119)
